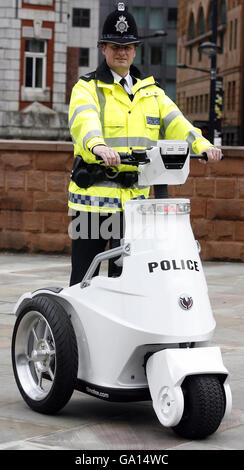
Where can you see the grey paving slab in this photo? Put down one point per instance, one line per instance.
(88, 423)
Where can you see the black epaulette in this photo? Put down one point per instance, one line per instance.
(158, 84)
(88, 76)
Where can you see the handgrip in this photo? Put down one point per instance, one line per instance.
(122, 155)
(202, 156)
(137, 157)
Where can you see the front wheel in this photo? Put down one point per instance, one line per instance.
(204, 406)
(44, 355)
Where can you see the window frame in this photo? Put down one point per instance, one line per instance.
(81, 18)
(151, 12)
(88, 56)
(34, 56)
(159, 47)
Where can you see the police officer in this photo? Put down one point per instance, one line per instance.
(114, 110)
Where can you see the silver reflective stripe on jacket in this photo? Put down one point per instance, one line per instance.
(79, 110)
(90, 134)
(191, 137)
(168, 119)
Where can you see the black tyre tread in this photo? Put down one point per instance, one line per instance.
(204, 406)
(66, 355)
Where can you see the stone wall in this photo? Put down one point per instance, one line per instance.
(34, 179)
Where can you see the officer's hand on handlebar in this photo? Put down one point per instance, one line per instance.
(213, 154)
(109, 155)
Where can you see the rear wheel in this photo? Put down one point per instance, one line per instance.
(44, 355)
(204, 406)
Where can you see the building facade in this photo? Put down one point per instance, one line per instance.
(47, 44)
(42, 49)
(193, 96)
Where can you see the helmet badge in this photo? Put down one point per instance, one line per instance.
(121, 6)
(122, 25)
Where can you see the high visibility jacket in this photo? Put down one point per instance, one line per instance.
(101, 112)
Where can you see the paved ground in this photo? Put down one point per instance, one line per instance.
(89, 423)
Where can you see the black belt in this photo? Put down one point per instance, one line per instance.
(85, 174)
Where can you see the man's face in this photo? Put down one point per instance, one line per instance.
(119, 58)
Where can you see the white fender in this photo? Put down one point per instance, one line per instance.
(166, 371)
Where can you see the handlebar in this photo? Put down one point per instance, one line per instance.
(139, 157)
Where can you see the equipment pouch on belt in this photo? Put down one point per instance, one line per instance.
(85, 174)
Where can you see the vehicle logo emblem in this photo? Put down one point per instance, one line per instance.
(185, 302)
(122, 25)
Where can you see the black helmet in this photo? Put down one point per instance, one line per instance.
(120, 27)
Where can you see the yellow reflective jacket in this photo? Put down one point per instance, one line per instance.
(101, 112)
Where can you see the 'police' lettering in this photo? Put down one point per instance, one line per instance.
(152, 266)
(166, 265)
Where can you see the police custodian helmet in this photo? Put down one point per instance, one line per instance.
(120, 27)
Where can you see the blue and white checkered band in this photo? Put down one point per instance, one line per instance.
(122, 25)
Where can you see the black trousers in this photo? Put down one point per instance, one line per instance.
(91, 232)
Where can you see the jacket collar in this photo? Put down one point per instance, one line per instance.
(104, 74)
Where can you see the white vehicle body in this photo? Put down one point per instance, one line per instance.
(139, 335)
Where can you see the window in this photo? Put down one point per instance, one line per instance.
(171, 54)
(221, 42)
(139, 59)
(170, 89)
(172, 18)
(187, 105)
(230, 37)
(190, 55)
(191, 31)
(206, 103)
(201, 104)
(39, 2)
(139, 14)
(235, 34)
(83, 57)
(222, 15)
(210, 16)
(156, 18)
(35, 63)
(155, 55)
(231, 96)
(196, 104)
(81, 18)
(201, 22)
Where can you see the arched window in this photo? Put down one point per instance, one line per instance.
(210, 16)
(201, 22)
(222, 12)
(191, 31)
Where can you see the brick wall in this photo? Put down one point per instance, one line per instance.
(34, 179)
(217, 205)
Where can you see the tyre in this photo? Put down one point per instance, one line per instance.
(44, 355)
(204, 406)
